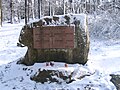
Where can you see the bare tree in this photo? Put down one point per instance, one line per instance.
(25, 11)
(35, 11)
(11, 11)
(39, 8)
(0, 13)
(32, 4)
(70, 1)
(28, 10)
(94, 1)
(49, 8)
(64, 7)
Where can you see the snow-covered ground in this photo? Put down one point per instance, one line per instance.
(104, 59)
(105, 56)
(9, 34)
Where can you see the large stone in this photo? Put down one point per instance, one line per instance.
(115, 80)
(78, 54)
(51, 76)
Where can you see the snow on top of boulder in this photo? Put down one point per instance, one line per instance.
(62, 21)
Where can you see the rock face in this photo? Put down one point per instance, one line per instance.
(116, 80)
(57, 76)
(51, 76)
(78, 54)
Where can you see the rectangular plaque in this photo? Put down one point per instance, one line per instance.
(53, 37)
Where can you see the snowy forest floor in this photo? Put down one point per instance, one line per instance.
(104, 59)
(104, 56)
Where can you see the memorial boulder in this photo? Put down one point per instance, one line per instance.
(66, 40)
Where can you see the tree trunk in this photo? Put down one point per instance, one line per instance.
(73, 6)
(28, 11)
(70, 7)
(39, 8)
(53, 11)
(18, 14)
(64, 7)
(86, 6)
(25, 12)
(90, 6)
(94, 5)
(33, 14)
(0, 13)
(11, 11)
(49, 8)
